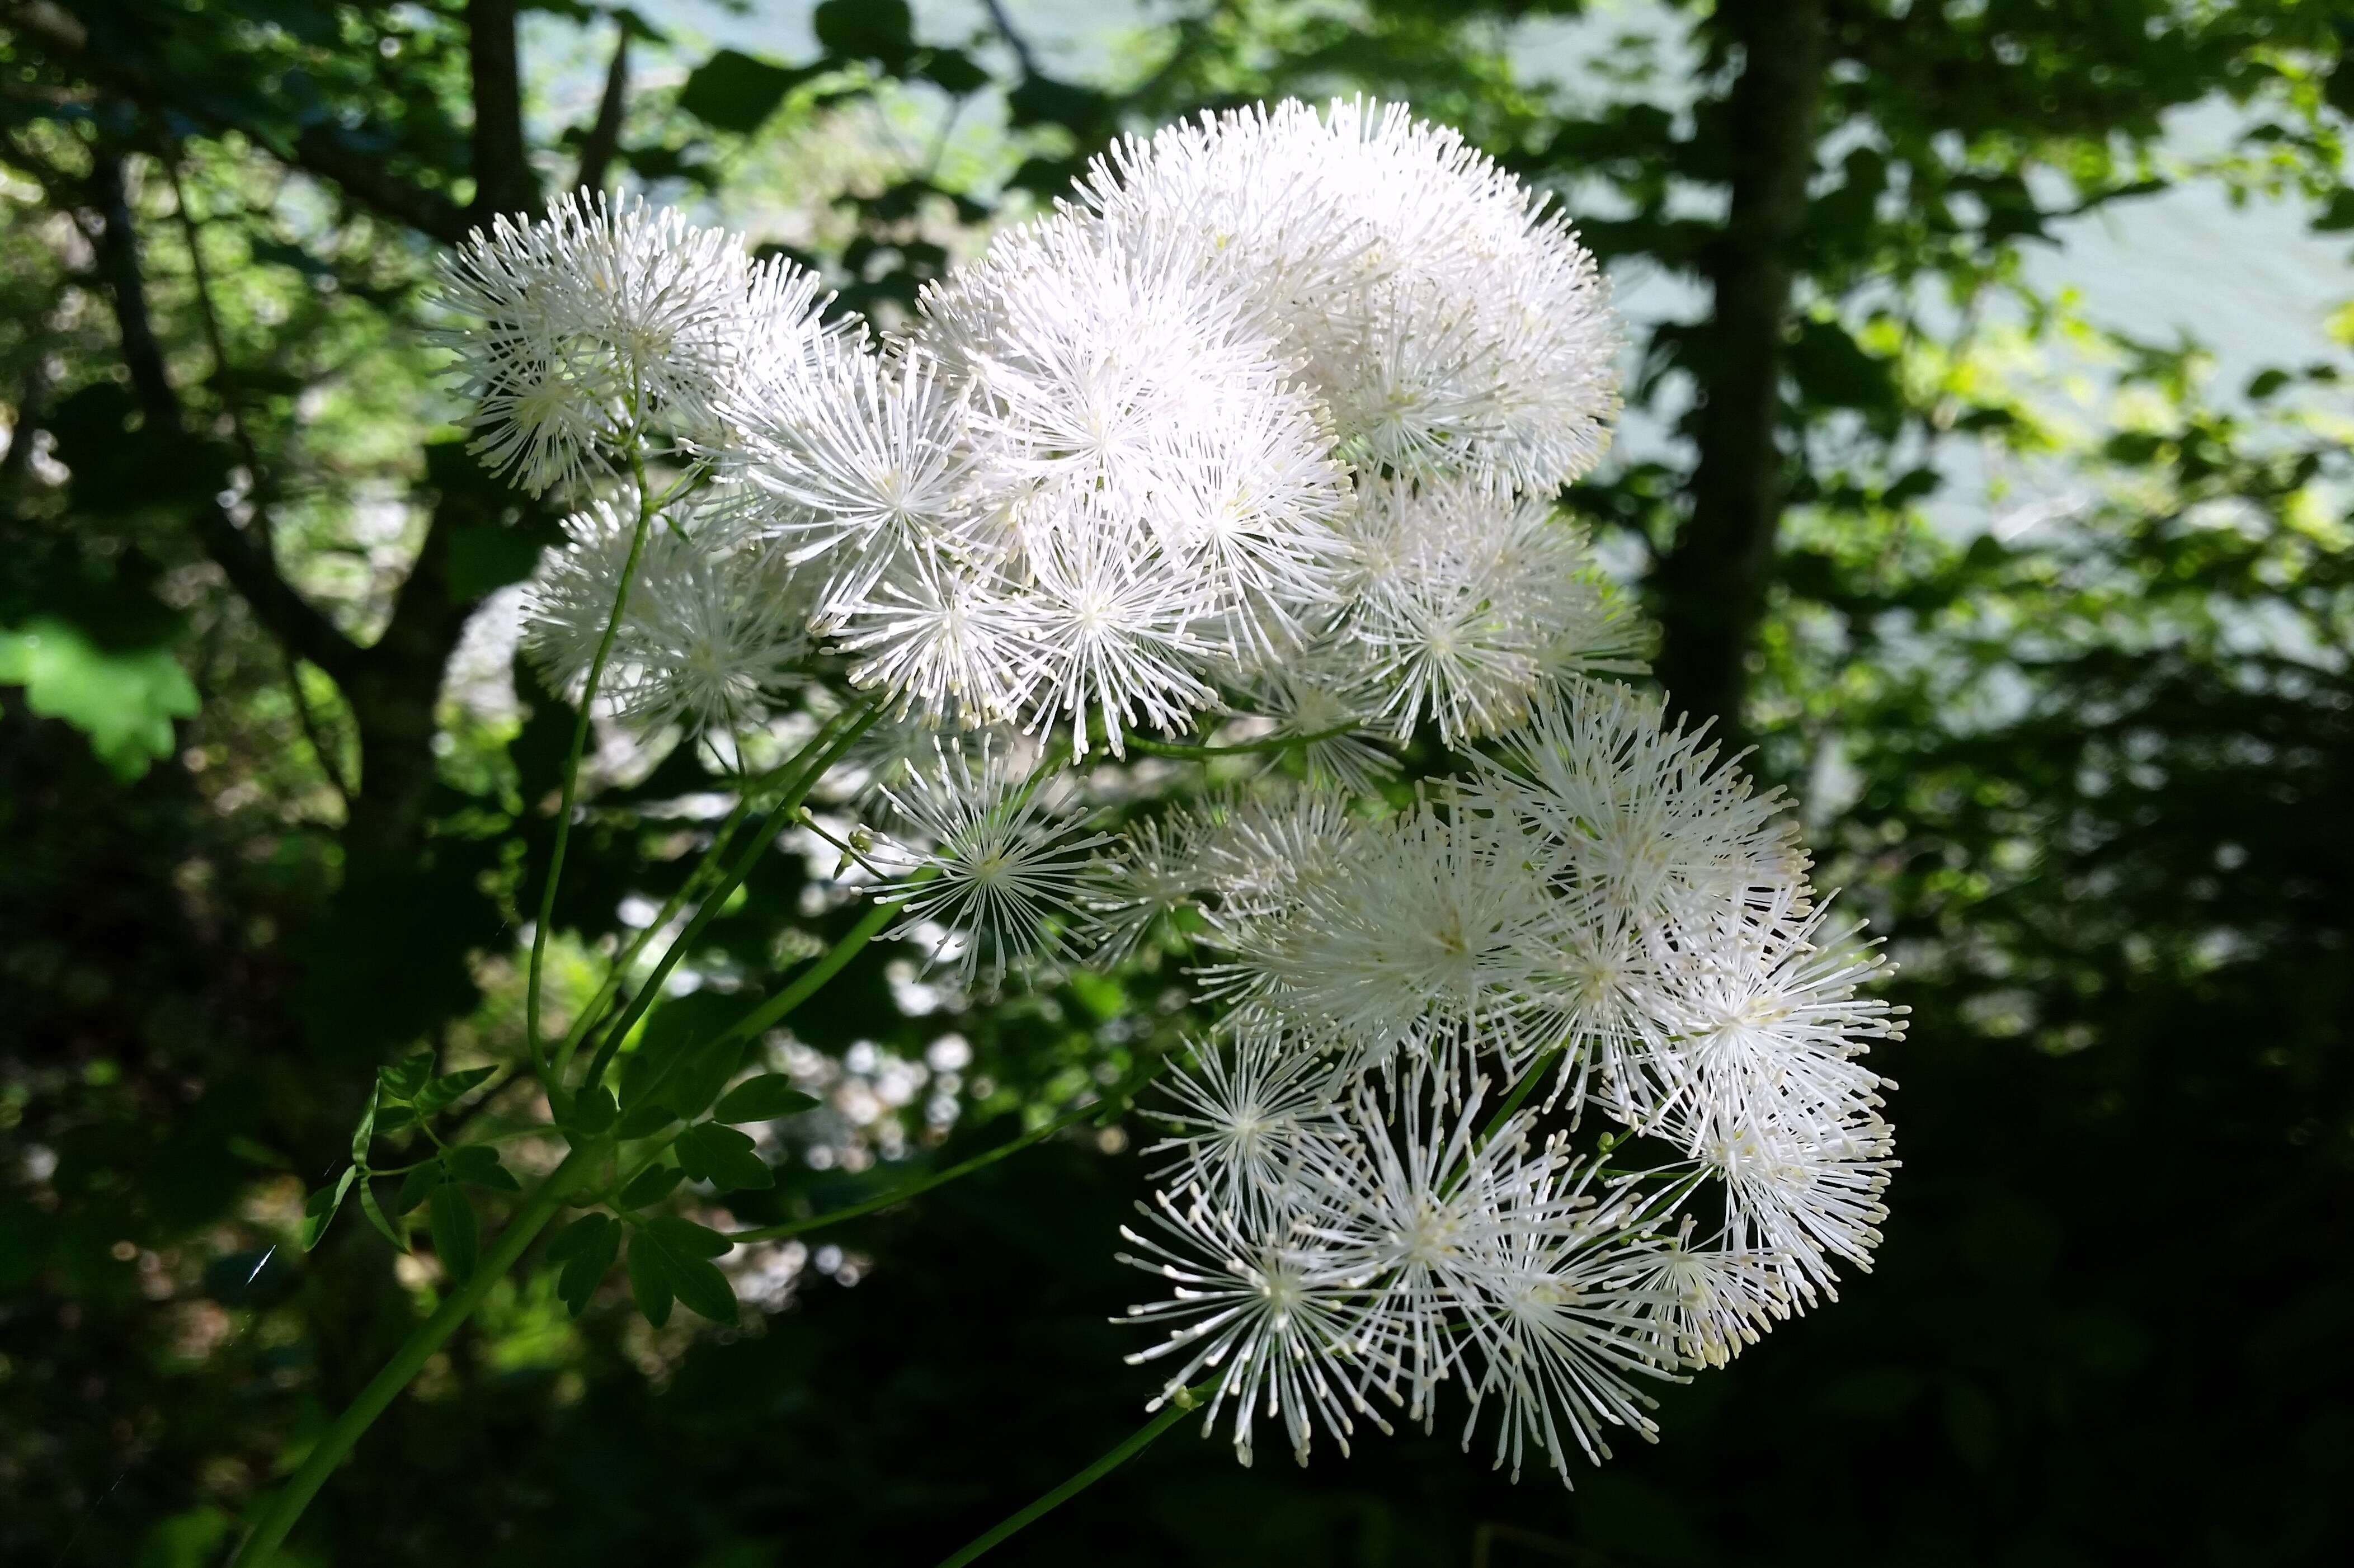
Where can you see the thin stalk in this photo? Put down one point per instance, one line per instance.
(271, 1530)
(1241, 748)
(571, 788)
(837, 738)
(688, 888)
(828, 964)
(921, 1184)
(1520, 1092)
(1180, 1404)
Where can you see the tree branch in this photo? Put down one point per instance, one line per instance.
(284, 611)
(604, 137)
(318, 150)
(1014, 40)
(367, 182)
(1715, 580)
(503, 181)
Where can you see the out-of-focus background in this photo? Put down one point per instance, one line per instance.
(1984, 463)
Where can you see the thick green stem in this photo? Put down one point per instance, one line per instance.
(571, 789)
(687, 889)
(827, 965)
(270, 1530)
(1180, 1404)
(1544, 1064)
(837, 738)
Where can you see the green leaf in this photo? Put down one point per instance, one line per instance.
(764, 1098)
(417, 1186)
(449, 1088)
(1832, 369)
(122, 700)
(649, 1280)
(954, 71)
(866, 29)
(732, 92)
(679, 1252)
(683, 1060)
(487, 553)
(320, 1211)
(685, 1235)
(594, 1112)
(575, 1237)
(402, 1080)
(1042, 101)
(643, 1121)
(650, 1185)
(365, 1133)
(587, 1249)
(479, 1164)
(723, 1157)
(457, 1234)
(375, 1216)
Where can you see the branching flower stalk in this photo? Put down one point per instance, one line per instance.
(1264, 428)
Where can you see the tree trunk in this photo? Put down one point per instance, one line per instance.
(1713, 581)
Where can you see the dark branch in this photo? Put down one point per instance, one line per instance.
(284, 611)
(605, 132)
(32, 399)
(363, 179)
(1014, 40)
(1715, 580)
(367, 183)
(503, 181)
(118, 262)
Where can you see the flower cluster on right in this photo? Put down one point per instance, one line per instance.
(1359, 1205)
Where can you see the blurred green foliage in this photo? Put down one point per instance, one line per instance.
(2091, 781)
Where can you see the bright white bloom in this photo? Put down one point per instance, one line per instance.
(589, 326)
(860, 469)
(991, 855)
(1423, 936)
(1765, 1010)
(1601, 905)
(1639, 811)
(1800, 1187)
(1250, 1118)
(1468, 601)
(714, 629)
(1427, 1199)
(944, 644)
(1709, 1302)
(1563, 1330)
(1451, 323)
(1275, 1316)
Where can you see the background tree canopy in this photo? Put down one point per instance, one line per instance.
(2046, 628)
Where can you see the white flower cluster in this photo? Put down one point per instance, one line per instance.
(1271, 418)
(1267, 426)
(1599, 915)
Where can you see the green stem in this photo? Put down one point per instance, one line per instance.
(827, 965)
(1520, 1092)
(823, 751)
(571, 789)
(907, 1190)
(1180, 1404)
(1245, 748)
(587, 1016)
(270, 1531)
